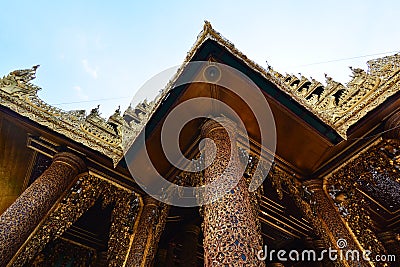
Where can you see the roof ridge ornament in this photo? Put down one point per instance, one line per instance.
(18, 82)
(207, 26)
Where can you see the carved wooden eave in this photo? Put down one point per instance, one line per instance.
(19, 95)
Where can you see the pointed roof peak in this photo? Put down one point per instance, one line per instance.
(208, 32)
(207, 26)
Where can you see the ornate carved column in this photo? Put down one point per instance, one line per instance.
(21, 218)
(230, 227)
(391, 240)
(147, 234)
(334, 226)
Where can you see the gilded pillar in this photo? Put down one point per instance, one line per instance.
(146, 236)
(340, 236)
(21, 218)
(230, 226)
(391, 240)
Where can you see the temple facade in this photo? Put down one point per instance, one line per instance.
(268, 170)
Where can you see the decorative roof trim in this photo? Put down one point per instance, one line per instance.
(19, 95)
(336, 105)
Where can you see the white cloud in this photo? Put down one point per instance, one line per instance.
(79, 93)
(90, 70)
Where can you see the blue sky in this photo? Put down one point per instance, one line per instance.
(102, 52)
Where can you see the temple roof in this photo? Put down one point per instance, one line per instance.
(338, 106)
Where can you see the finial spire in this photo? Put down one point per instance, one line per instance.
(207, 26)
(95, 111)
